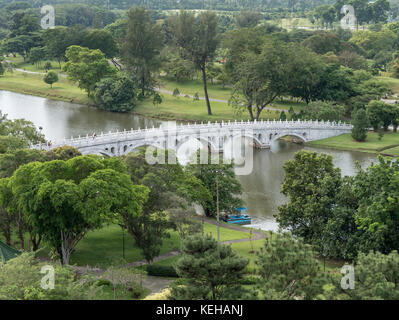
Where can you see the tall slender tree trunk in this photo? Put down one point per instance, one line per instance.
(258, 112)
(35, 242)
(7, 235)
(208, 105)
(251, 114)
(21, 230)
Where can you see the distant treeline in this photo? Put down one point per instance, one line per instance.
(228, 5)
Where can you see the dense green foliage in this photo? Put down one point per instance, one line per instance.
(118, 94)
(210, 271)
(87, 67)
(360, 125)
(341, 216)
(288, 269)
(171, 190)
(50, 78)
(62, 200)
(141, 48)
(20, 279)
(217, 175)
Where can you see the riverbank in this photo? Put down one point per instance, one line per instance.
(388, 145)
(171, 108)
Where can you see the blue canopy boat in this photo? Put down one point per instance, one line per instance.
(239, 217)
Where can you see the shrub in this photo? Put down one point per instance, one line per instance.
(103, 282)
(161, 271)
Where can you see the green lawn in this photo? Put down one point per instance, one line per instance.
(104, 247)
(190, 87)
(392, 151)
(18, 61)
(245, 250)
(225, 234)
(216, 91)
(33, 84)
(371, 145)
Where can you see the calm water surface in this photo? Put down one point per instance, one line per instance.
(261, 188)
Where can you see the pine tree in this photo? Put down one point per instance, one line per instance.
(211, 271)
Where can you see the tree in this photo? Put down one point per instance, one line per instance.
(376, 214)
(380, 112)
(102, 40)
(179, 69)
(288, 268)
(62, 200)
(229, 187)
(50, 78)
(323, 42)
(307, 74)
(141, 48)
(118, 94)
(211, 272)
(360, 125)
(87, 67)
(259, 78)
(13, 159)
(380, 9)
(171, 191)
(58, 39)
(23, 23)
(247, 19)
(37, 54)
(20, 279)
(374, 42)
(310, 207)
(376, 278)
(20, 129)
(6, 218)
(352, 60)
(2, 70)
(197, 37)
(326, 111)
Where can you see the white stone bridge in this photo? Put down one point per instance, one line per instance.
(214, 135)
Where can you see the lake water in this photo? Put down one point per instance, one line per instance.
(261, 188)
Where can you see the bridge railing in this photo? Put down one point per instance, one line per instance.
(110, 137)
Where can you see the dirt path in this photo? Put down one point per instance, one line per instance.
(156, 284)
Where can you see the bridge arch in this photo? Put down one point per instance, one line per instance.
(129, 147)
(302, 136)
(256, 137)
(203, 140)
